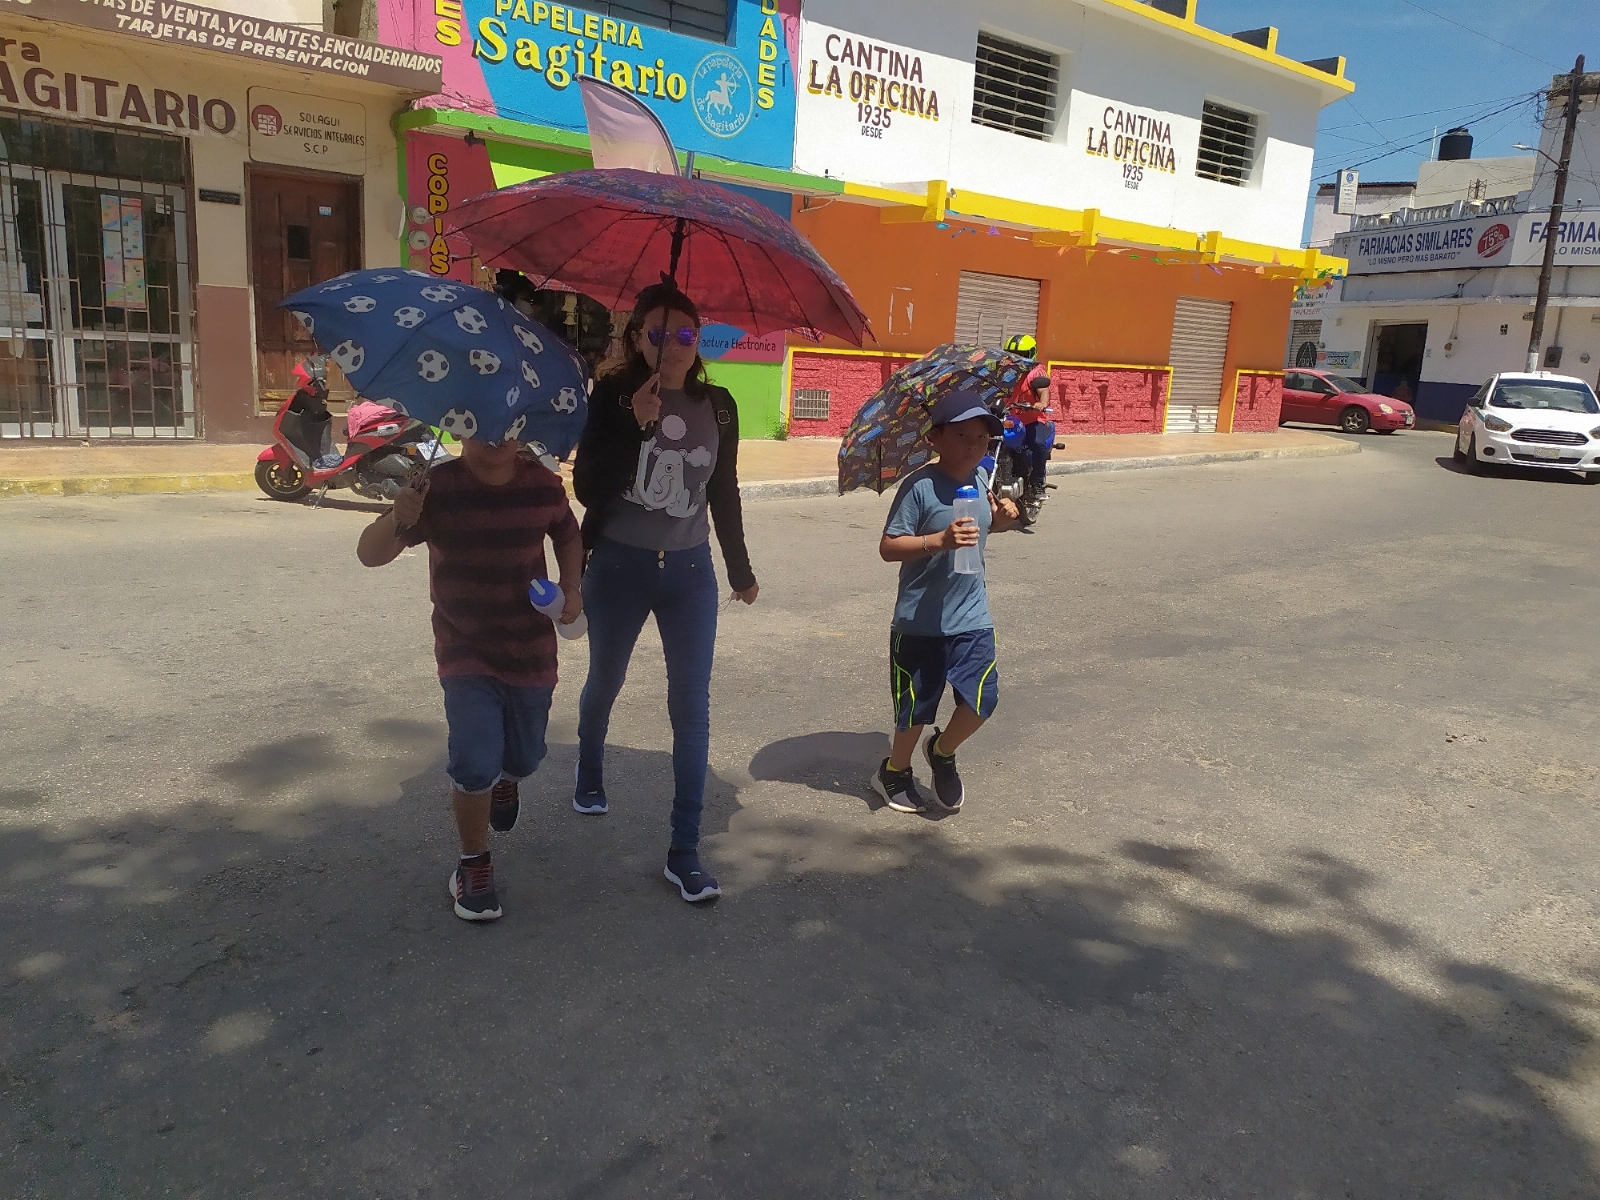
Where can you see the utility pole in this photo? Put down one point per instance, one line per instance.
(1552, 230)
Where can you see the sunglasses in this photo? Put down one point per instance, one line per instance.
(687, 336)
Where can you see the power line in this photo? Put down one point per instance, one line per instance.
(1425, 113)
(1414, 145)
(1477, 33)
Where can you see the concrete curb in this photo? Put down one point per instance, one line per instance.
(129, 485)
(788, 489)
(765, 489)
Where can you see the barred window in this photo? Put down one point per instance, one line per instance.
(1015, 87)
(811, 404)
(1227, 144)
(697, 18)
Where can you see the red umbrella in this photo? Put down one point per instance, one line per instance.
(611, 233)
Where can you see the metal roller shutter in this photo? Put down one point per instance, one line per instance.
(1199, 348)
(990, 308)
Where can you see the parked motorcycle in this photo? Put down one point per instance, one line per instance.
(385, 450)
(1010, 456)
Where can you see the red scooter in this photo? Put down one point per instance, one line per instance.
(385, 451)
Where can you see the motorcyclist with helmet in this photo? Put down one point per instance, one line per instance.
(1029, 405)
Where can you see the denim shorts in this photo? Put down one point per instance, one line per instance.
(496, 730)
(919, 668)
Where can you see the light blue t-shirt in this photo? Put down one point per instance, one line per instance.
(934, 600)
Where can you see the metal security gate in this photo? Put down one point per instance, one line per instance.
(1199, 349)
(991, 308)
(95, 302)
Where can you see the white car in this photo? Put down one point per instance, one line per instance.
(1532, 420)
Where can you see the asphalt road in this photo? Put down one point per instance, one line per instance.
(1276, 877)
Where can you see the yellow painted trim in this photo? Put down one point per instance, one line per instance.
(1222, 41)
(932, 210)
(1259, 371)
(906, 354)
(865, 191)
(1105, 366)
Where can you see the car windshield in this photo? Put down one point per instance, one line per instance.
(1545, 394)
(1341, 384)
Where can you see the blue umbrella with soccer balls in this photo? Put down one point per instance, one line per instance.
(449, 355)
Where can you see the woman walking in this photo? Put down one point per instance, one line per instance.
(657, 466)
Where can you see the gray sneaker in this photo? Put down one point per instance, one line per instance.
(898, 789)
(946, 780)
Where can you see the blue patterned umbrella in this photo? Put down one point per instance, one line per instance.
(889, 436)
(452, 356)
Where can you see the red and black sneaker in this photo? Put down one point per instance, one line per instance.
(472, 889)
(504, 804)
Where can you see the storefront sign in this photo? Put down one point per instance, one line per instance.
(520, 57)
(1577, 240)
(296, 130)
(871, 110)
(1139, 141)
(1129, 147)
(1440, 246)
(442, 172)
(727, 343)
(67, 89)
(247, 37)
(1510, 240)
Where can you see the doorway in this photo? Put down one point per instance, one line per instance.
(95, 300)
(303, 229)
(1396, 360)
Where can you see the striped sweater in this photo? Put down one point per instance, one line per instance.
(485, 543)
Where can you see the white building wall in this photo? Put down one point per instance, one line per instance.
(1106, 60)
(1370, 199)
(1583, 181)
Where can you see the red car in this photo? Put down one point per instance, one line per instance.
(1323, 398)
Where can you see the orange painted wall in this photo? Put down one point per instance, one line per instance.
(1108, 309)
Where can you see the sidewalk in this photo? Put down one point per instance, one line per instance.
(767, 469)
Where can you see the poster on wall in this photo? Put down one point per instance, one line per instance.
(731, 96)
(122, 250)
(874, 111)
(441, 172)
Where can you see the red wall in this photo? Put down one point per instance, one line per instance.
(1257, 403)
(1108, 399)
(852, 378)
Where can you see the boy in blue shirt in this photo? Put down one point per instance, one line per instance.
(941, 632)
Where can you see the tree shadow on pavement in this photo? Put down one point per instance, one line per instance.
(875, 1010)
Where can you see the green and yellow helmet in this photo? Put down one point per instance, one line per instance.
(1024, 344)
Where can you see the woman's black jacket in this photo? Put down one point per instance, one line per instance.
(608, 457)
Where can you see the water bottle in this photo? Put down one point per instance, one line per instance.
(969, 559)
(550, 600)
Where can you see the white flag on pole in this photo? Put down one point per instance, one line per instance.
(623, 132)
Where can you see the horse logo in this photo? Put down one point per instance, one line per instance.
(723, 99)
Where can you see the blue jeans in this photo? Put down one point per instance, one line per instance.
(1038, 448)
(621, 588)
(496, 730)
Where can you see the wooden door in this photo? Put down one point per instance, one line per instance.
(303, 229)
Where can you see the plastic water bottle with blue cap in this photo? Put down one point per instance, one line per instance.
(969, 559)
(549, 599)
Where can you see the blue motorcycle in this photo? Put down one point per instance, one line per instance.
(1009, 453)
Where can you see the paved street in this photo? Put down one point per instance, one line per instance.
(1276, 876)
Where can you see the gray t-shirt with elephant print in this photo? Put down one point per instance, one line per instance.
(664, 507)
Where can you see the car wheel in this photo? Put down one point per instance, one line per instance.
(1458, 453)
(1474, 464)
(1354, 420)
(1591, 476)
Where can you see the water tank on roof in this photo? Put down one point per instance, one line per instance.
(1456, 144)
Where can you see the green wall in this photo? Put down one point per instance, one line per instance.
(758, 388)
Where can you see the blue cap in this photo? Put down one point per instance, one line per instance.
(963, 405)
(966, 493)
(542, 593)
